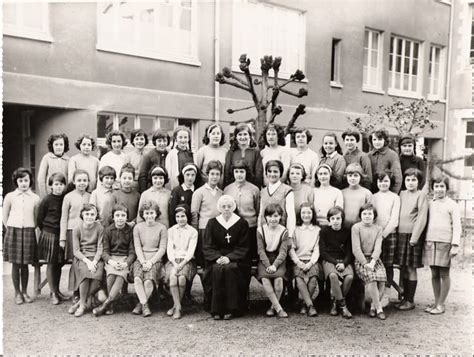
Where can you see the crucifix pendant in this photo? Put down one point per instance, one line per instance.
(228, 237)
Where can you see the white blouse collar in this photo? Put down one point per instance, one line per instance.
(273, 187)
(227, 224)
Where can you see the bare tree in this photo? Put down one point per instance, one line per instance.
(264, 92)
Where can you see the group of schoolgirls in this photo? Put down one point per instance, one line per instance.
(140, 216)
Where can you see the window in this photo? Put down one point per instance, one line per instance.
(405, 67)
(372, 69)
(265, 29)
(472, 36)
(107, 122)
(164, 30)
(469, 144)
(336, 62)
(28, 20)
(436, 73)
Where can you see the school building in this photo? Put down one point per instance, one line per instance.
(90, 67)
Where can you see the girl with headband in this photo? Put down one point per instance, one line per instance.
(326, 196)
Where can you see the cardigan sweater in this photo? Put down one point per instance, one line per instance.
(154, 157)
(20, 209)
(118, 242)
(247, 199)
(254, 161)
(413, 213)
(444, 224)
(88, 163)
(161, 196)
(182, 243)
(305, 244)
(361, 158)
(87, 242)
(72, 205)
(387, 205)
(272, 241)
(326, 198)
(366, 242)
(174, 163)
(49, 165)
(383, 159)
(337, 163)
(354, 199)
(49, 213)
(150, 241)
(204, 205)
(335, 246)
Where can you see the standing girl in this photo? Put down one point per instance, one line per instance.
(139, 140)
(213, 149)
(115, 158)
(355, 196)
(54, 161)
(19, 217)
(442, 242)
(331, 154)
(336, 254)
(118, 256)
(409, 159)
(243, 148)
(367, 247)
(303, 155)
(204, 205)
(161, 140)
(326, 196)
(301, 190)
(304, 253)
(150, 239)
(70, 212)
(179, 155)
(158, 194)
(87, 267)
(413, 216)
(49, 217)
(84, 161)
(190, 180)
(273, 244)
(181, 267)
(272, 145)
(278, 193)
(387, 205)
(383, 158)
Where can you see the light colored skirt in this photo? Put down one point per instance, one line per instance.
(189, 271)
(110, 270)
(437, 254)
(331, 268)
(315, 271)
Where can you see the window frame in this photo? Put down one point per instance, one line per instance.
(115, 47)
(378, 87)
(336, 58)
(441, 75)
(236, 33)
(417, 94)
(21, 31)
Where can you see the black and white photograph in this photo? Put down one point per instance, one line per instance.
(237, 177)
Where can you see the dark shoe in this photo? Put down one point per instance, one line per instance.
(281, 314)
(372, 313)
(407, 306)
(402, 302)
(345, 312)
(146, 310)
(334, 311)
(381, 316)
(303, 310)
(110, 310)
(100, 310)
(27, 298)
(216, 317)
(19, 299)
(170, 312)
(312, 311)
(137, 310)
(54, 299)
(228, 317)
(270, 312)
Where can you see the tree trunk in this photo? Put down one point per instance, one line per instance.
(260, 123)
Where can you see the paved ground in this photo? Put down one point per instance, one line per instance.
(40, 328)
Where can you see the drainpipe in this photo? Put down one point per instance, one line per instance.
(448, 79)
(217, 23)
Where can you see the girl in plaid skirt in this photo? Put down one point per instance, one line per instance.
(367, 247)
(413, 216)
(387, 204)
(19, 218)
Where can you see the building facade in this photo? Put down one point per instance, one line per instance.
(90, 67)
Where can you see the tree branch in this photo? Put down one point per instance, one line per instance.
(301, 93)
(232, 111)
